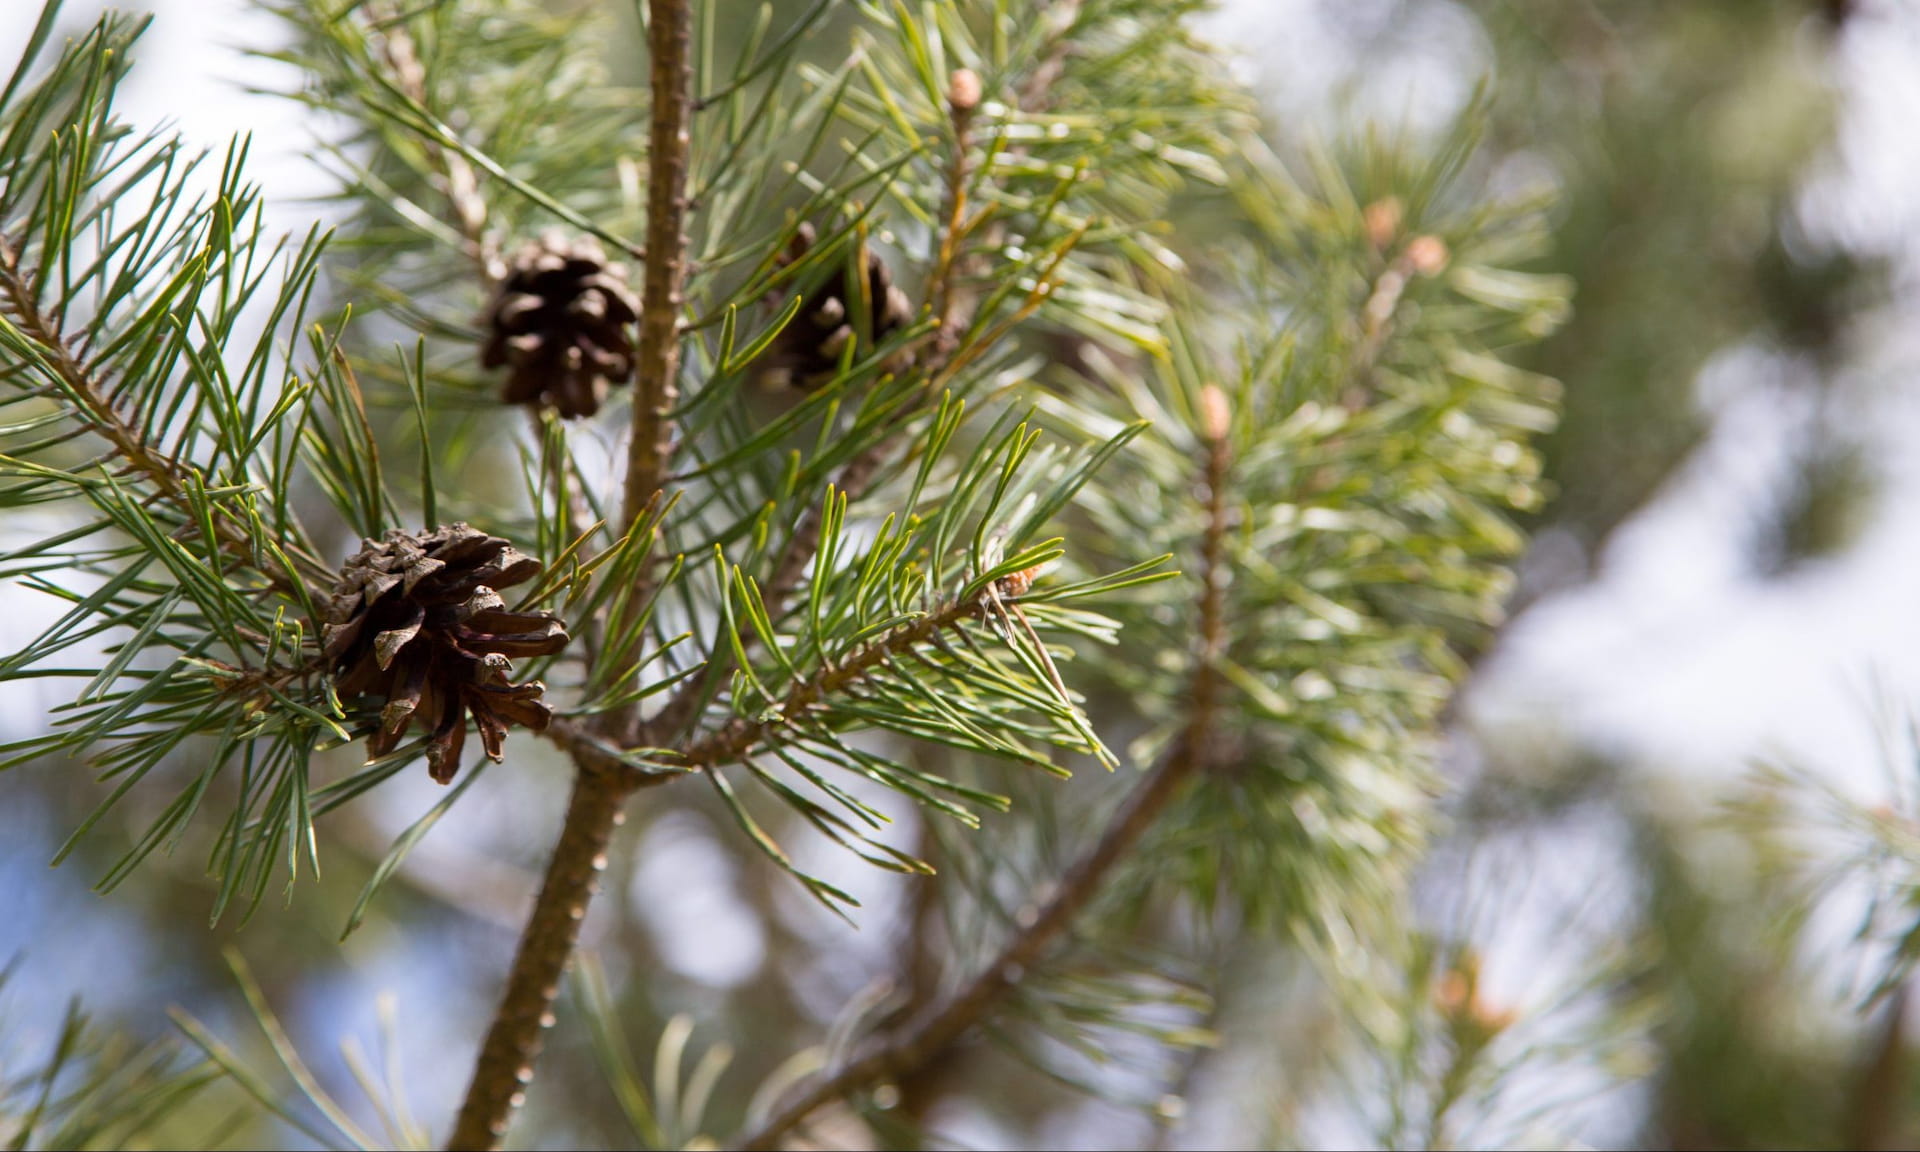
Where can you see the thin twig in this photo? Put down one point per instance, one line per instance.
(1036, 93)
(942, 358)
(1421, 256)
(928, 1036)
(462, 184)
(732, 741)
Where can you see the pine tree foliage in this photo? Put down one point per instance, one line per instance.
(93, 1088)
(1221, 513)
(1378, 444)
(160, 435)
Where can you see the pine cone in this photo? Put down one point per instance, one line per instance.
(806, 353)
(416, 622)
(559, 324)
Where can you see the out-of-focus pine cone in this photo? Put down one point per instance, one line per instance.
(417, 622)
(806, 353)
(559, 324)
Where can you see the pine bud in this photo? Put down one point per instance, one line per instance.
(963, 92)
(1382, 221)
(1216, 416)
(1427, 255)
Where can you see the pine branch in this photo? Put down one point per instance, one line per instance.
(657, 389)
(736, 739)
(94, 407)
(936, 362)
(930, 1035)
(1421, 256)
(1036, 94)
(505, 1064)
(940, 359)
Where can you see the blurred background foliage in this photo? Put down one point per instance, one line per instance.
(1605, 953)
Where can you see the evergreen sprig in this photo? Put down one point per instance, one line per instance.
(92, 1088)
(885, 579)
(152, 323)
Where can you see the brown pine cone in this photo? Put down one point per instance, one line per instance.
(560, 325)
(416, 622)
(806, 353)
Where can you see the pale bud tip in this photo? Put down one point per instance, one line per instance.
(1427, 255)
(963, 90)
(1216, 417)
(1382, 220)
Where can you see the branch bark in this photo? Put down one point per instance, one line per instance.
(505, 1067)
(657, 387)
(931, 1034)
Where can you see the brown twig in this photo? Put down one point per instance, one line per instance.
(657, 385)
(462, 183)
(734, 740)
(657, 367)
(1421, 256)
(1036, 93)
(933, 1032)
(928, 1036)
(605, 781)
